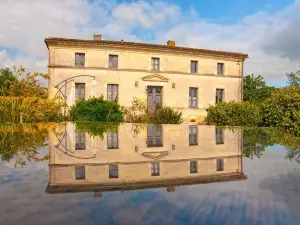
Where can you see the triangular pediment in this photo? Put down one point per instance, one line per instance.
(155, 155)
(155, 78)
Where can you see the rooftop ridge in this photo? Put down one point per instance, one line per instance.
(145, 45)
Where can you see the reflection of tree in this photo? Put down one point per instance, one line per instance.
(136, 128)
(97, 128)
(293, 154)
(21, 143)
(257, 139)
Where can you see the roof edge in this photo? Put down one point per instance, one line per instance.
(141, 45)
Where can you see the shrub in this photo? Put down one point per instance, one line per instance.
(96, 109)
(282, 109)
(165, 115)
(233, 114)
(34, 109)
(138, 113)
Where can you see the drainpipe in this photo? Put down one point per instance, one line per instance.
(242, 79)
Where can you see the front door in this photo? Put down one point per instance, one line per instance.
(154, 97)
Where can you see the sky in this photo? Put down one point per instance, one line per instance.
(265, 29)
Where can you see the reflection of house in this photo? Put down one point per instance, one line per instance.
(159, 156)
(187, 79)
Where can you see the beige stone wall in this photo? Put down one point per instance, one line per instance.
(134, 66)
(135, 166)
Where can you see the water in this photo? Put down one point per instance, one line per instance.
(148, 174)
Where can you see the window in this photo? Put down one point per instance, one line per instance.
(154, 169)
(194, 66)
(112, 140)
(79, 140)
(112, 92)
(155, 64)
(79, 91)
(220, 164)
(113, 171)
(193, 97)
(193, 166)
(113, 61)
(80, 172)
(154, 135)
(220, 68)
(219, 136)
(79, 59)
(193, 135)
(219, 95)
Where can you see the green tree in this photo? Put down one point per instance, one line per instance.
(282, 109)
(255, 89)
(294, 78)
(27, 85)
(6, 79)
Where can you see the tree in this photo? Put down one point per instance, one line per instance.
(6, 79)
(294, 78)
(255, 89)
(27, 85)
(282, 109)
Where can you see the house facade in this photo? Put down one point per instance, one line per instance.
(157, 156)
(187, 79)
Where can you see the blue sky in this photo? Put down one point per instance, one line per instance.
(265, 29)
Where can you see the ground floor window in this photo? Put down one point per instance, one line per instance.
(112, 92)
(79, 91)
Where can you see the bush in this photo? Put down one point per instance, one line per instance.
(233, 114)
(34, 109)
(96, 109)
(282, 109)
(138, 113)
(165, 115)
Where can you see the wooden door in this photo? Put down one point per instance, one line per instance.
(154, 97)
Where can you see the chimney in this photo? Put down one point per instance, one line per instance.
(97, 37)
(171, 43)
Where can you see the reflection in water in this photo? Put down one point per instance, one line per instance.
(172, 155)
(101, 158)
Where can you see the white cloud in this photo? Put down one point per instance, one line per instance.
(270, 39)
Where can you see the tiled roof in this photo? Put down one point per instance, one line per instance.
(143, 46)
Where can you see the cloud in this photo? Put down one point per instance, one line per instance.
(271, 39)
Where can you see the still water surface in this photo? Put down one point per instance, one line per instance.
(147, 174)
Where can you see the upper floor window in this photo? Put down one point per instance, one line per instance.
(193, 97)
(112, 140)
(79, 59)
(113, 61)
(112, 92)
(193, 135)
(80, 141)
(193, 166)
(79, 91)
(219, 136)
(155, 169)
(194, 66)
(220, 164)
(80, 172)
(220, 68)
(219, 95)
(155, 64)
(113, 171)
